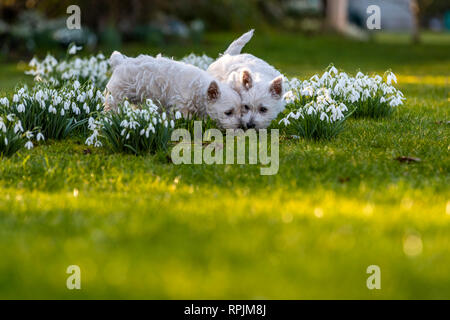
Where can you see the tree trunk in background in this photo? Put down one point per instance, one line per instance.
(416, 20)
(337, 11)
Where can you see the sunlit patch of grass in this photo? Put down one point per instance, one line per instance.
(426, 80)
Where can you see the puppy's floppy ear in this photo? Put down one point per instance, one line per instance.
(247, 81)
(213, 92)
(276, 87)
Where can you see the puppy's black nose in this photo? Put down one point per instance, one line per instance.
(251, 125)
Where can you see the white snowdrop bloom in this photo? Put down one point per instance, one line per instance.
(334, 70)
(98, 144)
(6, 141)
(308, 91)
(391, 78)
(10, 117)
(29, 145)
(4, 101)
(40, 137)
(172, 124)
(177, 115)
(81, 97)
(2, 126)
(15, 98)
(52, 109)
(323, 116)
(18, 127)
(33, 62)
(289, 97)
(73, 49)
(285, 121)
(86, 108)
(76, 85)
(133, 124)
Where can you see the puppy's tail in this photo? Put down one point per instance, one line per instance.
(236, 46)
(116, 59)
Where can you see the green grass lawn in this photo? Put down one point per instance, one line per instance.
(141, 227)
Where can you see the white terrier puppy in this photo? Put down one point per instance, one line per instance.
(259, 84)
(187, 88)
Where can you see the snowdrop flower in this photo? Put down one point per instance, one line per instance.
(285, 121)
(2, 126)
(289, 97)
(40, 137)
(4, 101)
(29, 145)
(6, 141)
(333, 70)
(391, 78)
(73, 49)
(18, 127)
(177, 115)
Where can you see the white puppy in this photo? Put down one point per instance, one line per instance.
(185, 87)
(259, 84)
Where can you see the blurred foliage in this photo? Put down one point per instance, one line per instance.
(433, 7)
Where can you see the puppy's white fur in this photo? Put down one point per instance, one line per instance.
(185, 87)
(259, 84)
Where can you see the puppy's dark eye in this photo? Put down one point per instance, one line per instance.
(229, 112)
(246, 107)
(263, 109)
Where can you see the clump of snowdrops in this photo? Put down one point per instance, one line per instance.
(132, 129)
(317, 108)
(94, 69)
(12, 135)
(201, 62)
(54, 113)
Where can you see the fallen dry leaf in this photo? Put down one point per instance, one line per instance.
(405, 159)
